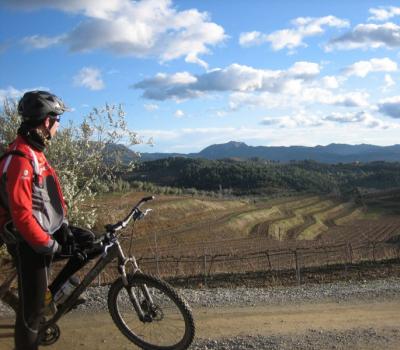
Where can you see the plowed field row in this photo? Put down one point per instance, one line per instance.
(363, 231)
(187, 226)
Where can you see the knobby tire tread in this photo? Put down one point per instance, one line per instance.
(166, 289)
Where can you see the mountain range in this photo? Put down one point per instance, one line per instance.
(332, 153)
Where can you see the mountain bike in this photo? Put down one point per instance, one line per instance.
(147, 310)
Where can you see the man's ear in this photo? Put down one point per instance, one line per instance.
(47, 122)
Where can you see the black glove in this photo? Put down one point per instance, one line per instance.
(64, 235)
(66, 240)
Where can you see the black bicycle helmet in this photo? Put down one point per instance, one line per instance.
(35, 106)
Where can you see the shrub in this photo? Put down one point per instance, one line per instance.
(80, 153)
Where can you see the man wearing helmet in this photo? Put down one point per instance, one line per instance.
(33, 209)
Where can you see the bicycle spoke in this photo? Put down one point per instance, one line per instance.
(167, 326)
(166, 322)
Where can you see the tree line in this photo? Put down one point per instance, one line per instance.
(259, 176)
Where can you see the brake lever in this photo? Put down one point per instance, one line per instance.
(106, 247)
(147, 211)
(144, 213)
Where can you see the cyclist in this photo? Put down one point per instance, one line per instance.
(32, 208)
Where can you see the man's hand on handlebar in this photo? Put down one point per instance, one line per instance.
(68, 244)
(64, 235)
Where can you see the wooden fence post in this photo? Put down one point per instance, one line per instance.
(205, 269)
(177, 266)
(298, 275)
(373, 251)
(157, 263)
(351, 253)
(327, 256)
(269, 261)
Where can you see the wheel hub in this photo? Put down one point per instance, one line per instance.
(152, 312)
(49, 335)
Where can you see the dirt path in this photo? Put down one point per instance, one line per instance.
(95, 331)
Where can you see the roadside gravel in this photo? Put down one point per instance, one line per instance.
(313, 339)
(340, 292)
(384, 289)
(370, 339)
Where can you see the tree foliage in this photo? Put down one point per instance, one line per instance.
(80, 155)
(260, 177)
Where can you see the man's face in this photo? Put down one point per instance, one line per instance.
(52, 125)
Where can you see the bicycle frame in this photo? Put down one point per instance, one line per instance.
(111, 251)
(103, 261)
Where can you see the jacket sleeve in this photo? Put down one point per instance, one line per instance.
(64, 204)
(19, 189)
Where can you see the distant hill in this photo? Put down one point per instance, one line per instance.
(332, 153)
(259, 176)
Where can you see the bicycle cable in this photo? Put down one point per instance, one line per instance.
(131, 240)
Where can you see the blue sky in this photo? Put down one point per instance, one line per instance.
(194, 73)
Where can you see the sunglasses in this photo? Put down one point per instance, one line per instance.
(56, 118)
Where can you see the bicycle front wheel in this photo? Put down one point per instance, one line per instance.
(169, 322)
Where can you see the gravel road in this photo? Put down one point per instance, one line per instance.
(385, 335)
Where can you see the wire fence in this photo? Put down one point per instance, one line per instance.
(264, 260)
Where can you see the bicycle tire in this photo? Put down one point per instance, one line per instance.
(118, 303)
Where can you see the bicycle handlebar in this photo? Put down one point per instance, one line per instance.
(103, 240)
(135, 210)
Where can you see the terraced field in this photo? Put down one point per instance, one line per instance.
(183, 225)
(193, 235)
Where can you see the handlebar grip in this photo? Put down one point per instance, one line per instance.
(149, 198)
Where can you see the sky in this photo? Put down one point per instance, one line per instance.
(194, 73)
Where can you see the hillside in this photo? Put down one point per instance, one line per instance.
(184, 225)
(332, 153)
(262, 177)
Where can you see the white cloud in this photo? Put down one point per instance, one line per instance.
(330, 82)
(10, 93)
(363, 68)
(349, 99)
(41, 42)
(179, 114)
(294, 37)
(235, 77)
(163, 86)
(299, 119)
(192, 58)
(304, 70)
(297, 85)
(90, 78)
(151, 107)
(327, 97)
(252, 38)
(299, 98)
(389, 82)
(364, 118)
(147, 28)
(238, 100)
(367, 36)
(305, 119)
(390, 107)
(90, 8)
(383, 13)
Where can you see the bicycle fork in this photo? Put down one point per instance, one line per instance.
(143, 315)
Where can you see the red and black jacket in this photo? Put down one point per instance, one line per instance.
(31, 196)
